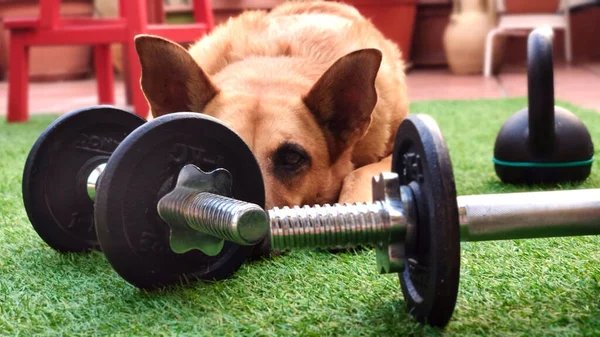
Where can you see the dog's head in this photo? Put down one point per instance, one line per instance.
(301, 133)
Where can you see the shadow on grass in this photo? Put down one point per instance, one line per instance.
(526, 312)
(392, 319)
(49, 258)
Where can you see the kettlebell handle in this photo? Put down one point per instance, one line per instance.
(540, 86)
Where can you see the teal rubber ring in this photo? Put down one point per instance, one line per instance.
(528, 164)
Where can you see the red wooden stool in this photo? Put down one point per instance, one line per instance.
(50, 29)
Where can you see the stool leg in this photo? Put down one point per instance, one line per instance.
(489, 52)
(203, 13)
(104, 74)
(126, 77)
(137, 22)
(18, 80)
(140, 105)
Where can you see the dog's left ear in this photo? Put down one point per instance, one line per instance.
(344, 97)
(171, 80)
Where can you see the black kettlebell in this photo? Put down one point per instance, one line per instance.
(542, 144)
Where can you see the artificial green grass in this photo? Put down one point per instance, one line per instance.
(507, 288)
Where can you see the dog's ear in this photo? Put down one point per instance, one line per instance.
(171, 80)
(343, 99)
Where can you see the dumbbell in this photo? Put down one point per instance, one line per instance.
(67, 154)
(181, 199)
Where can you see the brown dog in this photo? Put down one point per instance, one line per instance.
(312, 87)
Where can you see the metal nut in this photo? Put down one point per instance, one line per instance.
(391, 251)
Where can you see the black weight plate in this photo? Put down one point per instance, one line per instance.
(56, 170)
(430, 280)
(142, 170)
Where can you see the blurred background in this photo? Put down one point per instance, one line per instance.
(443, 43)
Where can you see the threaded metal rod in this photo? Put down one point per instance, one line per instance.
(197, 206)
(328, 226)
(190, 209)
(221, 210)
(216, 215)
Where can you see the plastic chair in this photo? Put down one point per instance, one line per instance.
(519, 23)
(50, 29)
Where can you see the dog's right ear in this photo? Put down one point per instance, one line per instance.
(171, 80)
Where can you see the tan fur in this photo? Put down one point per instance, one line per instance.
(271, 77)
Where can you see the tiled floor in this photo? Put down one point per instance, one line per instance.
(578, 84)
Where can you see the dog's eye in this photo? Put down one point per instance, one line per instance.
(289, 159)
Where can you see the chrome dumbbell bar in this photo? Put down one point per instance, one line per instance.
(385, 224)
(529, 215)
